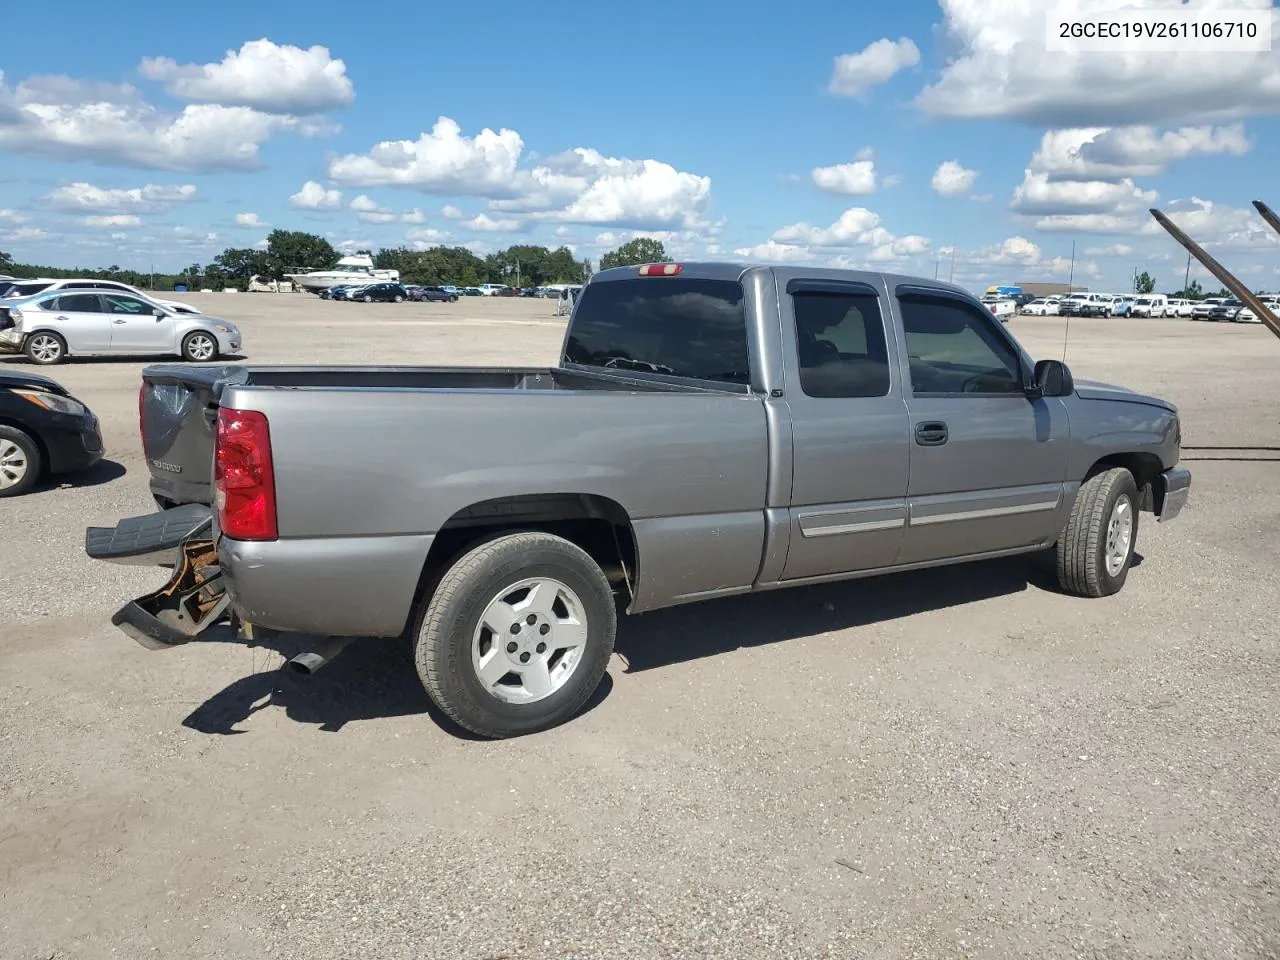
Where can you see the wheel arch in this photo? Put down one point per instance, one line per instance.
(1146, 469)
(599, 525)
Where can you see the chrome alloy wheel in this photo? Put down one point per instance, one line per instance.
(529, 641)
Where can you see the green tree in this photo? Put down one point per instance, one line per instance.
(1144, 283)
(237, 265)
(637, 251)
(292, 250)
(1192, 292)
(6, 261)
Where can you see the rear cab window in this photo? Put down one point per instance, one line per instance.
(674, 326)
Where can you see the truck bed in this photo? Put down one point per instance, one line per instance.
(178, 403)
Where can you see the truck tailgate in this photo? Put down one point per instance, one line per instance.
(177, 409)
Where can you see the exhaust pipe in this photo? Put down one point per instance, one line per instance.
(311, 661)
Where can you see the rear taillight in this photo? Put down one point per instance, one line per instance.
(243, 476)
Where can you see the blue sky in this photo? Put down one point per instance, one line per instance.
(813, 133)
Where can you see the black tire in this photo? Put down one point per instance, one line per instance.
(190, 338)
(31, 459)
(399, 299)
(449, 619)
(1082, 547)
(453, 299)
(367, 298)
(33, 348)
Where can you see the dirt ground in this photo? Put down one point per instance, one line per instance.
(957, 763)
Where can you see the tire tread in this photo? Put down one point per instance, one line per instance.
(1078, 569)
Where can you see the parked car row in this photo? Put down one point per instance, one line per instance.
(1155, 305)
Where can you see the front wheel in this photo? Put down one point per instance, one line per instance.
(399, 299)
(199, 347)
(517, 635)
(1096, 547)
(367, 298)
(20, 461)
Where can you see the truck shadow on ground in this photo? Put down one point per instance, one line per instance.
(374, 679)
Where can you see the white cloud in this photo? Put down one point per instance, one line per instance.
(12, 216)
(450, 212)
(1114, 250)
(264, 75)
(413, 216)
(892, 180)
(1214, 225)
(370, 212)
(564, 232)
(354, 246)
(425, 239)
(150, 198)
(25, 233)
(952, 180)
(65, 119)
(314, 196)
(1077, 204)
(1102, 153)
(855, 73)
(484, 222)
(578, 186)
(856, 239)
(1001, 70)
(113, 220)
(850, 179)
(250, 220)
(442, 161)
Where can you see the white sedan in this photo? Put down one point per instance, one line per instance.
(1041, 308)
(56, 324)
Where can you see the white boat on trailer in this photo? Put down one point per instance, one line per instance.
(357, 268)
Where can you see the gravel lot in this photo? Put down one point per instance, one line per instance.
(949, 764)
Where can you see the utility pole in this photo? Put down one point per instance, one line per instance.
(951, 275)
(937, 265)
(1072, 274)
(1186, 277)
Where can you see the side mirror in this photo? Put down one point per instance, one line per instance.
(157, 312)
(1052, 379)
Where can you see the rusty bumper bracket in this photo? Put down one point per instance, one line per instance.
(194, 599)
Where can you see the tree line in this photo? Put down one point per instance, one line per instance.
(294, 251)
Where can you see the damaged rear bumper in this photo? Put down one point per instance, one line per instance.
(195, 597)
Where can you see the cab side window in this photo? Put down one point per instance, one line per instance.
(840, 343)
(954, 349)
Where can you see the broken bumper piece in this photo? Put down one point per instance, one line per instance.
(195, 597)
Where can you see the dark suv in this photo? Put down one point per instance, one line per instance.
(382, 292)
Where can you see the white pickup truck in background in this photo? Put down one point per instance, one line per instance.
(1001, 307)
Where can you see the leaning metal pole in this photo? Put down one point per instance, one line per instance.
(1260, 309)
(1268, 215)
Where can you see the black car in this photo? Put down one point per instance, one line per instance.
(433, 293)
(43, 431)
(381, 292)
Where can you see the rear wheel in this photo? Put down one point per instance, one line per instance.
(20, 461)
(199, 347)
(367, 298)
(517, 635)
(45, 348)
(1096, 548)
(399, 299)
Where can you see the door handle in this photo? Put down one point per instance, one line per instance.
(931, 433)
(60, 318)
(121, 320)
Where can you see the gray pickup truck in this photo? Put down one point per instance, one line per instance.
(711, 429)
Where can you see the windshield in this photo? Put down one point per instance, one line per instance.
(672, 325)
